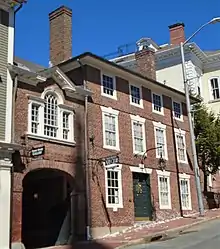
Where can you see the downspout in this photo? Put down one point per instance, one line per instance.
(86, 141)
(14, 91)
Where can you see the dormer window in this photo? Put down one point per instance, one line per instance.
(50, 119)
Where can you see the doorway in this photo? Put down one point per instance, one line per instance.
(142, 196)
(46, 208)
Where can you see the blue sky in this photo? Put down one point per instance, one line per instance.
(101, 26)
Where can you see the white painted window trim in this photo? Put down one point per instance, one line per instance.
(61, 108)
(141, 169)
(114, 96)
(142, 122)
(109, 110)
(118, 168)
(163, 127)
(210, 87)
(165, 174)
(181, 110)
(152, 100)
(183, 133)
(141, 96)
(184, 176)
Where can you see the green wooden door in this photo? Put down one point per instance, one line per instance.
(142, 196)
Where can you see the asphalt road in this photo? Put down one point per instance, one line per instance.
(204, 236)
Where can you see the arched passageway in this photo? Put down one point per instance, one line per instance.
(46, 208)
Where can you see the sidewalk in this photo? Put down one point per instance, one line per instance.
(147, 231)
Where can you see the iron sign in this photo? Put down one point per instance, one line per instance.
(35, 152)
(111, 160)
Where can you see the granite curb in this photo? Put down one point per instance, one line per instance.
(170, 232)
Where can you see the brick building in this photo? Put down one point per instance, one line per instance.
(136, 152)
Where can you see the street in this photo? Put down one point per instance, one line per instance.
(206, 235)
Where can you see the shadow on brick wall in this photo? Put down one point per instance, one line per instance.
(211, 200)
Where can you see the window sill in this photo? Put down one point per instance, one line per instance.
(111, 148)
(109, 96)
(165, 158)
(51, 140)
(165, 207)
(184, 162)
(136, 105)
(187, 209)
(213, 101)
(114, 206)
(157, 112)
(178, 119)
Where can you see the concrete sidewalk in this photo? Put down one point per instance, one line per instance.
(150, 231)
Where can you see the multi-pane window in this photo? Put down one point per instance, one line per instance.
(108, 85)
(180, 147)
(49, 117)
(157, 103)
(113, 187)
(160, 142)
(185, 194)
(110, 128)
(177, 110)
(164, 191)
(135, 93)
(34, 118)
(65, 125)
(215, 88)
(138, 136)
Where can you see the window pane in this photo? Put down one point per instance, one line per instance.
(215, 88)
(110, 130)
(34, 118)
(65, 125)
(177, 110)
(160, 133)
(135, 95)
(50, 116)
(184, 188)
(164, 191)
(112, 187)
(181, 147)
(157, 102)
(108, 85)
(138, 136)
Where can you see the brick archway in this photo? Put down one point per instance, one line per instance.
(46, 208)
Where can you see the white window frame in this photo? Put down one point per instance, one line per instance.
(181, 110)
(186, 177)
(211, 90)
(113, 112)
(142, 122)
(61, 108)
(114, 96)
(118, 168)
(182, 133)
(141, 96)
(152, 100)
(162, 127)
(164, 174)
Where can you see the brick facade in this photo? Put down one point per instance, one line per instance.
(177, 34)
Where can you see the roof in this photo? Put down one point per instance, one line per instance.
(30, 66)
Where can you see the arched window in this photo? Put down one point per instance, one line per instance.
(50, 116)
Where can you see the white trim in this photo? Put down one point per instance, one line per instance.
(53, 90)
(9, 89)
(118, 168)
(114, 96)
(110, 111)
(152, 100)
(140, 120)
(140, 170)
(183, 134)
(181, 110)
(40, 132)
(141, 96)
(210, 88)
(163, 127)
(164, 174)
(186, 177)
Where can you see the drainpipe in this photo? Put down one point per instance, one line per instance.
(14, 91)
(88, 201)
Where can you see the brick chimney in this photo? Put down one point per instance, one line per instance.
(145, 58)
(177, 34)
(60, 35)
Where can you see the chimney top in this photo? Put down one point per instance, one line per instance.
(178, 24)
(59, 11)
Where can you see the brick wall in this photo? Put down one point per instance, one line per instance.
(125, 216)
(66, 159)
